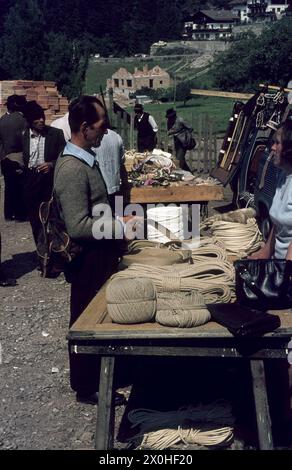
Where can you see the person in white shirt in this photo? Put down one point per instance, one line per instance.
(111, 156)
(63, 124)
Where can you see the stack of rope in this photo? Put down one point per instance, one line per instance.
(211, 279)
(206, 425)
(237, 230)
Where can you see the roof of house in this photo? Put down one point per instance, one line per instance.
(218, 15)
(238, 2)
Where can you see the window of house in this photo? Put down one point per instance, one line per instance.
(116, 82)
(129, 83)
(151, 83)
(161, 82)
(122, 81)
(207, 35)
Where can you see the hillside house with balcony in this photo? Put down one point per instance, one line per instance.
(125, 82)
(258, 10)
(210, 25)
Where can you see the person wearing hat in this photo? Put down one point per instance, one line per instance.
(146, 128)
(41, 146)
(12, 125)
(176, 127)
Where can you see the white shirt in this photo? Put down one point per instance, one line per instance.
(110, 156)
(63, 124)
(281, 216)
(36, 150)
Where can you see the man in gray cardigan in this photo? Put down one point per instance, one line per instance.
(80, 189)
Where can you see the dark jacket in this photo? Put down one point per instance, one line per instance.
(54, 144)
(12, 126)
(146, 136)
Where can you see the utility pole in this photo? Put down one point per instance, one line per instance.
(174, 91)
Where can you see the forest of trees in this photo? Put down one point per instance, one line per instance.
(252, 60)
(52, 40)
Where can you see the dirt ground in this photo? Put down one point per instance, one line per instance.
(37, 407)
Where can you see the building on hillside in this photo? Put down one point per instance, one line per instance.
(210, 25)
(258, 10)
(125, 82)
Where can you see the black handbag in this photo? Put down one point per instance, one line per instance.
(187, 140)
(264, 284)
(243, 321)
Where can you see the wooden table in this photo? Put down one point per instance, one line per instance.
(93, 333)
(176, 192)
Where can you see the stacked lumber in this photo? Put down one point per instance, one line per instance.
(44, 92)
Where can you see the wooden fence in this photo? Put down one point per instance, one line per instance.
(201, 160)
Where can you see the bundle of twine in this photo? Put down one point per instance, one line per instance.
(207, 425)
(181, 309)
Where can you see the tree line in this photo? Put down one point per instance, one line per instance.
(252, 60)
(53, 40)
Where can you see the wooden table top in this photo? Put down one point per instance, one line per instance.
(176, 192)
(95, 324)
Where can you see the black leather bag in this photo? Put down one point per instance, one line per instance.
(264, 284)
(187, 140)
(243, 321)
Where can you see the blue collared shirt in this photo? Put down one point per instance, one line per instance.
(78, 152)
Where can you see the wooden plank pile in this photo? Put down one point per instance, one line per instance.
(44, 92)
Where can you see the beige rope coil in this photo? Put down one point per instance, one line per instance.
(237, 230)
(240, 216)
(239, 239)
(154, 255)
(207, 425)
(181, 309)
(219, 276)
(131, 300)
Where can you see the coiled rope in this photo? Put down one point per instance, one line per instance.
(211, 425)
(239, 238)
(181, 309)
(213, 279)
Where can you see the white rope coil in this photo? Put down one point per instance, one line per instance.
(208, 425)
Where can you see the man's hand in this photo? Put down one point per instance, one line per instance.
(45, 168)
(134, 227)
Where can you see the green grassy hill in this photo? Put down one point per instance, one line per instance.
(218, 109)
(99, 72)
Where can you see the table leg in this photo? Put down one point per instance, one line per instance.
(104, 436)
(261, 404)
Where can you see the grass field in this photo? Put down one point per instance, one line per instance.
(218, 109)
(99, 72)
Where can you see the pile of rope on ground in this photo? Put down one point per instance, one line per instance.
(237, 230)
(206, 425)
